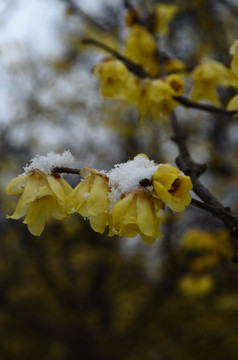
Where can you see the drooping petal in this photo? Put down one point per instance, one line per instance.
(17, 185)
(78, 197)
(66, 186)
(120, 208)
(37, 226)
(98, 197)
(145, 216)
(31, 190)
(34, 211)
(98, 223)
(20, 210)
(148, 239)
(129, 230)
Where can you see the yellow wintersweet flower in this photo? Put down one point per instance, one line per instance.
(174, 65)
(196, 285)
(157, 96)
(137, 212)
(172, 187)
(42, 194)
(204, 262)
(204, 241)
(206, 77)
(90, 198)
(113, 75)
(141, 48)
(116, 80)
(164, 14)
(198, 240)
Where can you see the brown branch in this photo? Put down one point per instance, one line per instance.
(132, 66)
(65, 170)
(193, 169)
(140, 72)
(204, 107)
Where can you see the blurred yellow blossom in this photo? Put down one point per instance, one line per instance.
(196, 285)
(172, 187)
(113, 75)
(141, 48)
(137, 212)
(42, 194)
(164, 14)
(116, 80)
(90, 198)
(157, 96)
(171, 65)
(218, 242)
(204, 262)
(206, 77)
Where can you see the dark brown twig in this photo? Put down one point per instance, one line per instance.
(140, 72)
(205, 107)
(194, 170)
(132, 66)
(65, 170)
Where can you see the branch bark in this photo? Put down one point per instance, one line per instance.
(194, 170)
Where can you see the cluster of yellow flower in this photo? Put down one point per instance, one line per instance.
(156, 95)
(209, 249)
(129, 205)
(150, 96)
(153, 95)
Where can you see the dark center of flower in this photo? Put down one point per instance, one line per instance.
(174, 186)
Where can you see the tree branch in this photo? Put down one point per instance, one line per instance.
(132, 66)
(205, 107)
(140, 72)
(193, 169)
(65, 170)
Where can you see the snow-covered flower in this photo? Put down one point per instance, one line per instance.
(42, 194)
(137, 212)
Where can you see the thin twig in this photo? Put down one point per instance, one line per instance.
(76, 9)
(140, 72)
(132, 66)
(65, 170)
(205, 107)
(194, 170)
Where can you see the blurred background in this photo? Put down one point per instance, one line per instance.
(72, 293)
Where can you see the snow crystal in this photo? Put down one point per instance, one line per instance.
(126, 177)
(51, 160)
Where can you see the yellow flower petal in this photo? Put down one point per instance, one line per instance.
(78, 197)
(20, 210)
(17, 185)
(56, 188)
(98, 196)
(98, 223)
(145, 216)
(37, 226)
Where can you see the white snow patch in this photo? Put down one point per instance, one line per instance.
(126, 177)
(51, 160)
